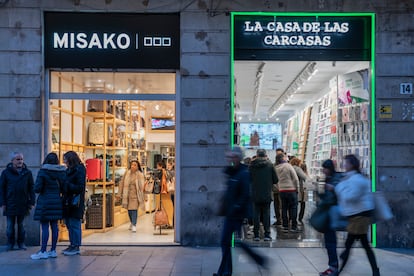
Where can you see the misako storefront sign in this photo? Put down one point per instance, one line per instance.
(301, 37)
(111, 40)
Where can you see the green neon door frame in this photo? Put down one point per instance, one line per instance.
(372, 62)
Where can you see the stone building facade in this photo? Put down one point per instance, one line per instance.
(204, 98)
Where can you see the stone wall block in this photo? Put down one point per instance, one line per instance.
(395, 21)
(395, 179)
(201, 20)
(398, 42)
(202, 179)
(205, 134)
(20, 63)
(20, 132)
(396, 155)
(211, 88)
(391, 132)
(20, 86)
(20, 18)
(31, 151)
(203, 156)
(398, 231)
(18, 39)
(401, 111)
(205, 66)
(196, 110)
(16, 109)
(205, 42)
(395, 65)
(389, 87)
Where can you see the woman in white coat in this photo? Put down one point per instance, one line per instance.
(356, 202)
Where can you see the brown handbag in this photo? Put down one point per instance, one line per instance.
(161, 217)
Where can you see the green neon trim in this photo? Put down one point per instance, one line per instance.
(373, 124)
(232, 80)
(373, 102)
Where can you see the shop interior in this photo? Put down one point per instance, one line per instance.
(314, 110)
(108, 129)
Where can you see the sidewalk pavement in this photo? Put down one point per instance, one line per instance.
(191, 261)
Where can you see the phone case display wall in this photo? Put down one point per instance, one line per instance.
(340, 124)
(106, 135)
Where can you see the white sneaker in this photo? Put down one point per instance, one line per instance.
(39, 255)
(52, 254)
(134, 228)
(130, 226)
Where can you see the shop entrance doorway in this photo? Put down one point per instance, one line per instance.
(111, 119)
(312, 99)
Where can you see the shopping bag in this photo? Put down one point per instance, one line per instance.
(149, 186)
(161, 217)
(171, 185)
(337, 222)
(320, 219)
(382, 210)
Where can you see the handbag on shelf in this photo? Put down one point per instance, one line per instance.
(160, 217)
(149, 186)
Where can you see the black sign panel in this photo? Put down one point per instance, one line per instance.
(112, 40)
(269, 37)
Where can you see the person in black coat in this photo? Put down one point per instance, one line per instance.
(49, 207)
(17, 198)
(74, 190)
(236, 206)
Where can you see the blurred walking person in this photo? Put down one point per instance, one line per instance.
(302, 193)
(49, 208)
(328, 199)
(235, 207)
(356, 202)
(17, 198)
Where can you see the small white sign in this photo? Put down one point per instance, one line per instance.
(406, 88)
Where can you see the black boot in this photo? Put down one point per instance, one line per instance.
(375, 272)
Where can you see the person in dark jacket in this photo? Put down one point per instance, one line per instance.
(49, 208)
(75, 182)
(263, 177)
(17, 198)
(236, 205)
(328, 199)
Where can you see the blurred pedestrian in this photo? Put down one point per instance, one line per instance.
(235, 207)
(263, 177)
(356, 202)
(288, 188)
(74, 197)
(131, 192)
(277, 203)
(17, 198)
(49, 208)
(328, 199)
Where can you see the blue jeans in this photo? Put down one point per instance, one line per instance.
(289, 205)
(45, 234)
(133, 215)
(11, 235)
(330, 244)
(75, 231)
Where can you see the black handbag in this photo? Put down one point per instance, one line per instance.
(157, 186)
(320, 219)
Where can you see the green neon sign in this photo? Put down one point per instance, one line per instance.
(367, 44)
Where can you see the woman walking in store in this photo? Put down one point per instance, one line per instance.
(303, 177)
(131, 191)
(356, 201)
(74, 198)
(288, 186)
(49, 209)
(165, 198)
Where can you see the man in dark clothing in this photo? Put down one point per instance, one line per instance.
(235, 204)
(17, 197)
(263, 177)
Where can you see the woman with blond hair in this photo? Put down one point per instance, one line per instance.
(303, 177)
